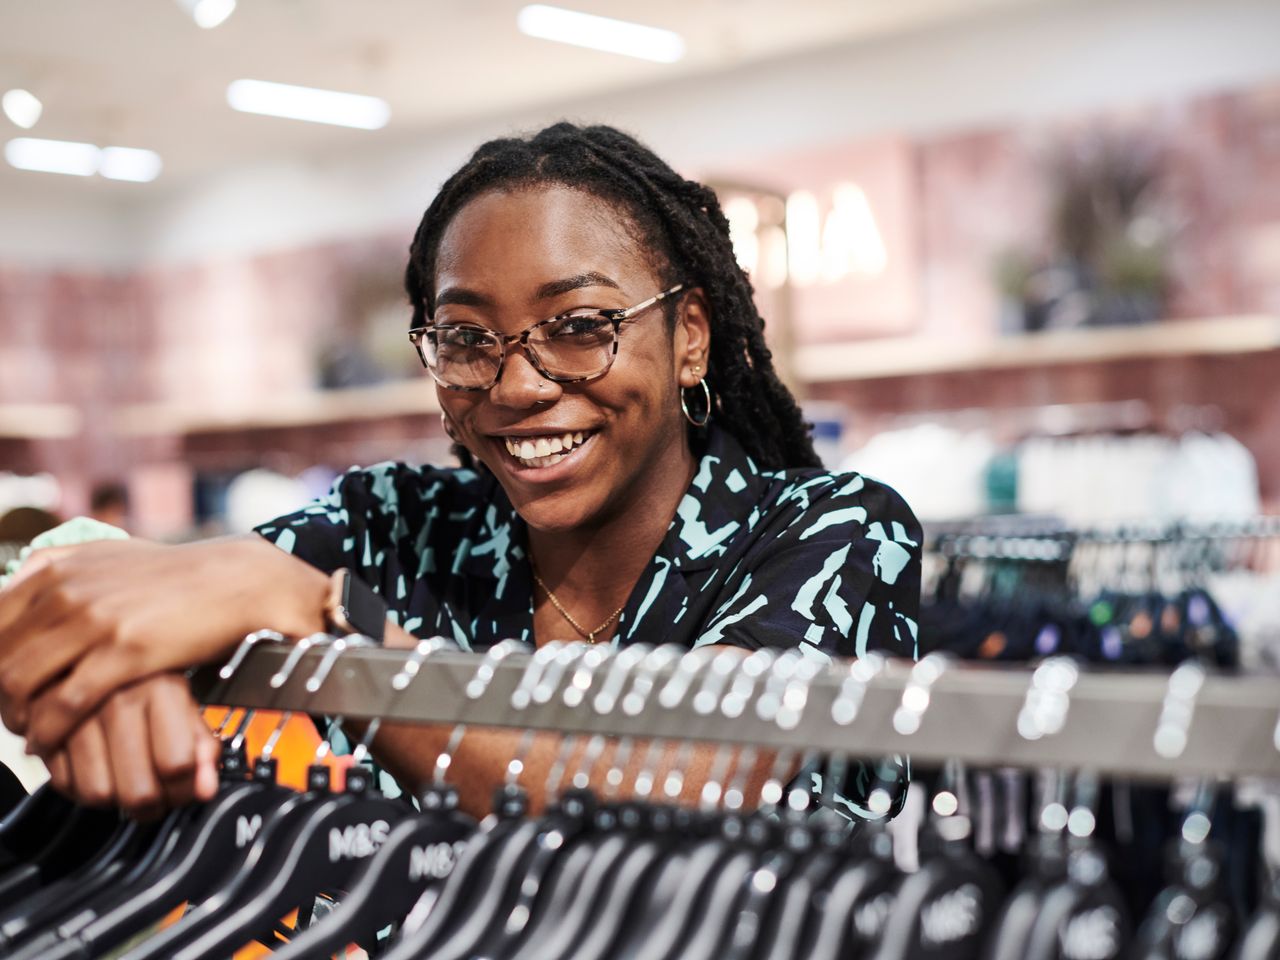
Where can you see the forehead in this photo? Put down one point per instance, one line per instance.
(508, 239)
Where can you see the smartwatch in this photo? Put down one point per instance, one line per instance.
(353, 607)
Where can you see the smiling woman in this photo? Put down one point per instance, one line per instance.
(633, 471)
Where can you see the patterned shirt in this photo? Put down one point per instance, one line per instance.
(826, 562)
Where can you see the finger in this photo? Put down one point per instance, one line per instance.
(124, 719)
(42, 646)
(60, 772)
(99, 673)
(173, 737)
(37, 561)
(90, 760)
(208, 752)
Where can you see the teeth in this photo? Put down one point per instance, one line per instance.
(543, 451)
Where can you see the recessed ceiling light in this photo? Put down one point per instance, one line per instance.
(208, 13)
(308, 103)
(52, 156)
(22, 107)
(600, 33)
(130, 163)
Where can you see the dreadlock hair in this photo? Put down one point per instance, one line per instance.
(680, 223)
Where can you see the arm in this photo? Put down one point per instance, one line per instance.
(87, 621)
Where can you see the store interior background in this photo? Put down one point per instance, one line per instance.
(891, 171)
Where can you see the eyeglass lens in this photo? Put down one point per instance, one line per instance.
(566, 348)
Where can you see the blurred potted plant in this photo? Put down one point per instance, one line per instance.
(1108, 240)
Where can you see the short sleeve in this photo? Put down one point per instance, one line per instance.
(840, 577)
(321, 532)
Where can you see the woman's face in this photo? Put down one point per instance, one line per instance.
(511, 259)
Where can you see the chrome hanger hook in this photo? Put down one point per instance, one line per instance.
(285, 671)
(281, 676)
(853, 690)
(917, 694)
(534, 668)
(475, 689)
(583, 677)
(399, 683)
(229, 669)
(620, 671)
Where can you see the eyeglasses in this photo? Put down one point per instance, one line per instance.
(570, 348)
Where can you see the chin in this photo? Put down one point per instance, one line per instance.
(560, 512)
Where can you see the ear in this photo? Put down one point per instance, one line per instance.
(692, 338)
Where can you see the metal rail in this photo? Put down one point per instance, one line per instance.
(971, 712)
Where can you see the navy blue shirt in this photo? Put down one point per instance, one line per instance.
(826, 562)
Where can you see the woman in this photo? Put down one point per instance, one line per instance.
(635, 472)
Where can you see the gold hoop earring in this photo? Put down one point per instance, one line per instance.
(684, 405)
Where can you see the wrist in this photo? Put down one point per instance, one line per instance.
(295, 605)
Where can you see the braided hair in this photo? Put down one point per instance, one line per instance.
(680, 224)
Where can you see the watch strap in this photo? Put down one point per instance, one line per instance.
(354, 607)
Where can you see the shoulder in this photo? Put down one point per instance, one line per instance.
(395, 488)
(381, 505)
(824, 504)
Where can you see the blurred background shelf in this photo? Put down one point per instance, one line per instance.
(401, 399)
(916, 356)
(39, 421)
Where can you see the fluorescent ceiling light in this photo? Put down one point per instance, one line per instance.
(600, 33)
(83, 159)
(22, 107)
(308, 103)
(130, 163)
(208, 13)
(52, 156)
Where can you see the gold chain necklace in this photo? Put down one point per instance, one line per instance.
(588, 635)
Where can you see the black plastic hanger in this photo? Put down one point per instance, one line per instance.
(556, 861)
(859, 900)
(1193, 908)
(60, 898)
(419, 853)
(214, 847)
(948, 905)
(322, 854)
(48, 837)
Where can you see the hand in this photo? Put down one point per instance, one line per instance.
(86, 621)
(146, 750)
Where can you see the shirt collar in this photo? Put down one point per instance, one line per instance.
(721, 500)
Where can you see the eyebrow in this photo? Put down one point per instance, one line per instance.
(556, 288)
(463, 297)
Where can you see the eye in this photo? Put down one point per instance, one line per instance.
(463, 337)
(577, 326)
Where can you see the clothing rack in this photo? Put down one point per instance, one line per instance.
(1032, 539)
(1109, 723)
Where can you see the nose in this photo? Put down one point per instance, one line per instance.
(521, 385)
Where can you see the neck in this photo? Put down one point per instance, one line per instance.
(593, 571)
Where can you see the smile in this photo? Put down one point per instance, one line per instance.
(547, 450)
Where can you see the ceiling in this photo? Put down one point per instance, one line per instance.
(139, 73)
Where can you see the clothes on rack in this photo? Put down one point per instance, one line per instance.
(1115, 598)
